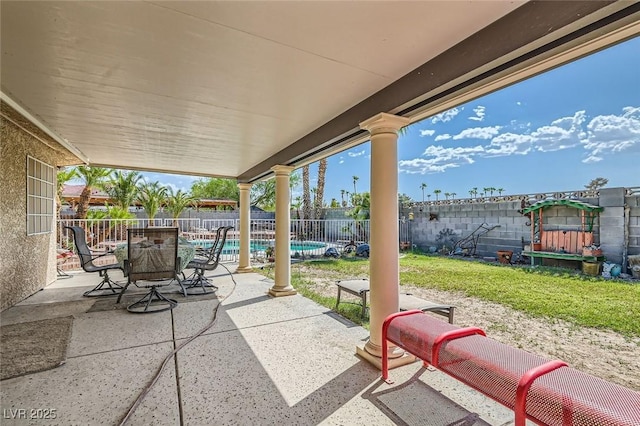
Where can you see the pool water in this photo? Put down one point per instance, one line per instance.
(231, 246)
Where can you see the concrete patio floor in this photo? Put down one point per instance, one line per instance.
(285, 361)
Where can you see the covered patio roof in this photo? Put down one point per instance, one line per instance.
(231, 89)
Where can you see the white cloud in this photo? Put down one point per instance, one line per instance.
(573, 122)
(509, 144)
(479, 110)
(173, 187)
(612, 133)
(592, 159)
(355, 154)
(441, 158)
(553, 138)
(478, 133)
(422, 166)
(563, 133)
(450, 153)
(518, 103)
(446, 115)
(603, 135)
(427, 132)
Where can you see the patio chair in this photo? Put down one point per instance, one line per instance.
(206, 260)
(89, 262)
(153, 259)
(62, 255)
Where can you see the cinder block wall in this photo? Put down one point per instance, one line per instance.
(514, 228)
(633, 202)
(463, 219)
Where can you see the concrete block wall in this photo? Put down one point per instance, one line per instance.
(464, 219)
(612, 223)
(633, 202)
(514, 228)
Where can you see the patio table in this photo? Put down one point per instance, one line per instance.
(186, 253)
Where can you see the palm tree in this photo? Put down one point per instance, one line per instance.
(471, 193)
(446, 195)
(177, 202)
(453, 195)
(355, 179)
(319, 201)
(346, 203)
(360, 212)
(296, 205)
(342, 191)
(475, 191)
(486, 190)
(63, 176)
(491, 189)
(437, 192)
(92, 177)
(151, 196)
(428, 196)
(423, 186)
(500, 191)
(306, 193)
(122, 188)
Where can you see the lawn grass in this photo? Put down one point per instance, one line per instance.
(551, 293)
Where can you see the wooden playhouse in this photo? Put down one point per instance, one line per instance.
(563, 243)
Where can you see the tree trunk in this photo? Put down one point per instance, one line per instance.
(83, 204)
(306, 193)
(322, 171)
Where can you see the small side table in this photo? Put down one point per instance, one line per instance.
(358, 288)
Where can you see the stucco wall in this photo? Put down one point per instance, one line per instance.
(27, 263)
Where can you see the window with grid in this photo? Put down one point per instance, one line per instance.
(40, 196)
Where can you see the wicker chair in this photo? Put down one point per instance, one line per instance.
(206, 260)
(88, 258)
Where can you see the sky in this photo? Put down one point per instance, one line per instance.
(553, 132)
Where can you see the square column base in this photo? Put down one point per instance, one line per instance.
(282, 292)
(405, 359)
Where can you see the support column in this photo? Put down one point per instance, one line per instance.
(245, 228)
(384, 266)
(282, 286)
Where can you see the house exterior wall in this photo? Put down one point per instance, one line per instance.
(27, 263)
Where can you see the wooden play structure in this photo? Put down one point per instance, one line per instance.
(565, 244)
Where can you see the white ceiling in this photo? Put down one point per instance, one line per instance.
(214, 88)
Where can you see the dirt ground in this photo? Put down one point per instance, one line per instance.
(604, 354)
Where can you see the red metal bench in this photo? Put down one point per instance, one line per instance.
(543, 391)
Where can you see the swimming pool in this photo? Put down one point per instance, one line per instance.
(232, 246)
